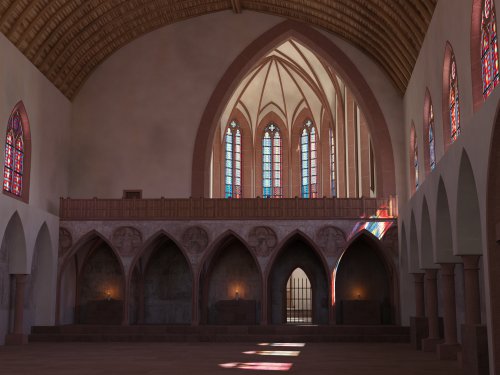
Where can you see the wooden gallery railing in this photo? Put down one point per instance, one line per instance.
(206, 208)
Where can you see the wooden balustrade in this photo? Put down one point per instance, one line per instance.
(206, 208)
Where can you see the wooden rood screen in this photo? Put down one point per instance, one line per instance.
(245, 208)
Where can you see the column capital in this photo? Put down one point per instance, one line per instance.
(471, 262)
(447, 269)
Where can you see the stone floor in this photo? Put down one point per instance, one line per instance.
(204, 358)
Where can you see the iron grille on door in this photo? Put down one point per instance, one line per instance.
(298, 299)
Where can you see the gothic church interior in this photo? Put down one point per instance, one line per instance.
(265, 166)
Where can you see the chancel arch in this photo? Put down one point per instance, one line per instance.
(264, 51)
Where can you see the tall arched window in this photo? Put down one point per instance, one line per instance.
(272, 156)
(432, 146)
(13, 171)
(489, 48)
(308, 161)
(453, 100)
(333, 180)
(233, 161)
(415, 160)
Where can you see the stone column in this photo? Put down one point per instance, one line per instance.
(431, 307)
(418, 324)
(419, 295)
(449, 349)
(264, 307)
(17, 336)
(195, 312)
(471, 281)
(474, 335)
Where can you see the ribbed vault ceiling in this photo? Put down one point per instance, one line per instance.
(67, 39)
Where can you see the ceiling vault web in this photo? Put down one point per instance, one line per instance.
(68, 39)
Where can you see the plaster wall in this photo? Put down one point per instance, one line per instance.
(49, 114)
(139, 112)
(451, 22)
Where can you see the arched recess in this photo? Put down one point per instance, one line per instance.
(426, 244)
(26, 168)
(469, 240)
(444, 238)
(230, 284)
(91, 283)
(161, 285)
(492, 256)
(272, 117)
(41, 286)
(333, 55)
(366, 284)
(12, 261)
(297, 251)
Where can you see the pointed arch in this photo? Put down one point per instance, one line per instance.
(161, 283)
(334, 56)
(426, 242)
(444, 238)
(17, 155)
(469, 239)
(42, 278)
(70, 272)
(297, 251)
(366, 272)
(230, 271)
(14, 240)
(451, 97)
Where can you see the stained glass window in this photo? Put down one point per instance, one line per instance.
(14, 156)
(271, 163)
(332, 164)
(308, 161)
(489, 48)
(233, 164)
(453, 101)
(432, 147)
(415, 159)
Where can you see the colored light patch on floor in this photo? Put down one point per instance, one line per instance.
(284, 344)
(282, 353)
(265, 366)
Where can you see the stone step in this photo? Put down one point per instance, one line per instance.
(152, 333)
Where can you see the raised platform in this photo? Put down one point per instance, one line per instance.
(161, 333)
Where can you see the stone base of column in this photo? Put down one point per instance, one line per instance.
(448, 351)
(419, 329)
(430, 345)
(16, 339)
(475, 350)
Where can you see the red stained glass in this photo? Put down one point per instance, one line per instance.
(454, 103)
(14, 156)
(489, 48)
